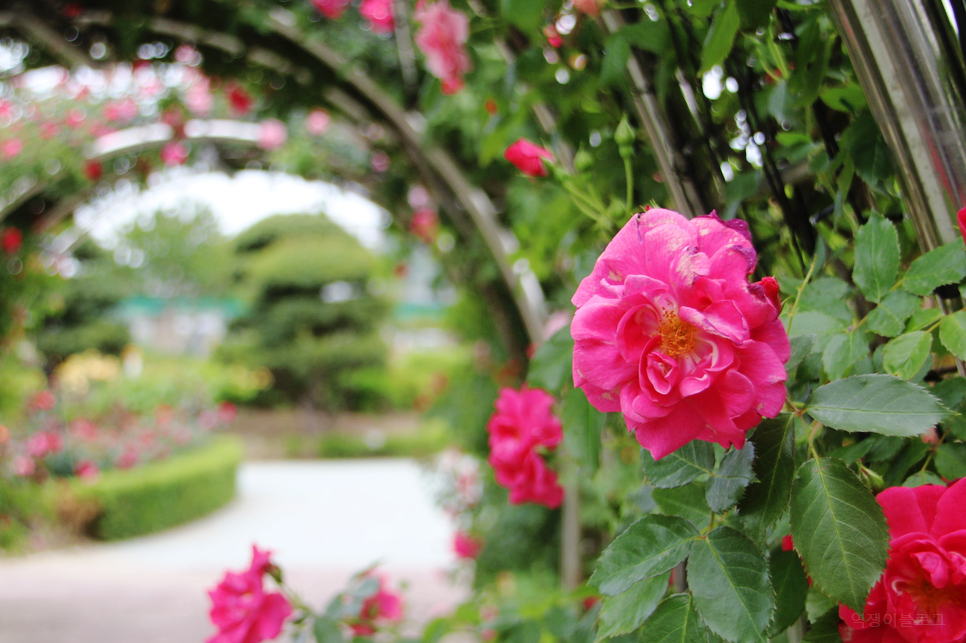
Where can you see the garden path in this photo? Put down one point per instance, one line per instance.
(324, 520)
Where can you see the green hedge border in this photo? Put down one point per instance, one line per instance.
(163, 494)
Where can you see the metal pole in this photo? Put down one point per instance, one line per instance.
(913, 80)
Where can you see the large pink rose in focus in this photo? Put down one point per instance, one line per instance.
(921, 596)
(669, 332)
(524, 421)
(242, 610)
(442, 38)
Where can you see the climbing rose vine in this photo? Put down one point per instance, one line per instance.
(669, 332)
(921, 597)
(524, 421)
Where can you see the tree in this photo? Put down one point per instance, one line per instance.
(312, 319)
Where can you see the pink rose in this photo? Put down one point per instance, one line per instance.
(272, 134)
(528, 157)
(524, 421)
(331, 9)
(669, 332)
(317, 122)
(11, 148)
(86, 470)
(921, 596)
(44, 443)
(425, 225)
(379, 15)
(123, 111)
(174, 153)
(961, 219)
(442, 38)
(242, 610)
(466, 546)
(590, 7)
(381, 608)
(227, 412)
(24, 466)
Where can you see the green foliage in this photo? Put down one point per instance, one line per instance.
(839, 530)
(729, 580)
(681, 466)
(878, 403)
(774, 466)
(428, 440)
(675, 621)
(628, 610)
(162, 494)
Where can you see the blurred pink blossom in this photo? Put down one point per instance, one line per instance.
(331, 9)
(442, 38)
(86, 470)
(174, 153)
(24, 466)
(317, 122)
(11, 148)
(123, 111)
(379, 14)
(272, 134)
(44, 443)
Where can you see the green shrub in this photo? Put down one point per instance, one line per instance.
(23, 504)
(429, 439)
(163, 494)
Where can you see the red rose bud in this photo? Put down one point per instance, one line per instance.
(961, 219)
(528, 157)
(94, 170)
(10, 240)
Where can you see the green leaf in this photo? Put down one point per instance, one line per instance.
(878, 403)
(952, 333)
(774, 467)
(616, 53)
(827, 295)
(889, 317)
(843, 352)
(921, 477)
(817, 603)
(551, 365)
(876, 258)
(680, 467)
(674, 621)
(950, 392)
(723, 489)
(790, 584)
(687, 501)
(326, 630)
(628, 610)
(755, 13)
(906, 354)
(524, 14)
(923, 318)
(824, 630)
(647, 35)
(809, 321)
(839, 530)
(721, 37)
(862, 142)
(849, 98)
(801, 348)
(582, 426)
(729, 579)
(951, 460)
(651, 546)
(524, 632)
(944, 265)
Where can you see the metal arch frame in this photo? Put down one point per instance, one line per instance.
(438, 167)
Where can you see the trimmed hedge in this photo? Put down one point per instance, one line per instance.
(163, 494)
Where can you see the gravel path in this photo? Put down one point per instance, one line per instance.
(324, 520)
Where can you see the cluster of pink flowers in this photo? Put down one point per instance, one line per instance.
(82, 448)
(670, 333)
(921, 596)
(523, 422)
(241, 608)
(442, 38)
(377, 13)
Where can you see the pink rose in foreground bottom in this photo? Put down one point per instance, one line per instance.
(670, 333)
(921, 596)
(242, 610)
